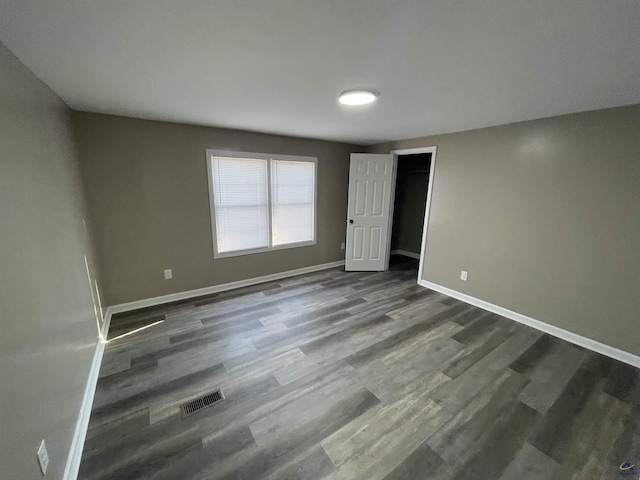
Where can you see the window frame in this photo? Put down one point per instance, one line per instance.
(269, 158)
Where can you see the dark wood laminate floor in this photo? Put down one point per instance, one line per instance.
(354, 376)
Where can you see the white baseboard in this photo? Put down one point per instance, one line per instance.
(571, 337)
(80, 433)
(173, 297)
(406, 253)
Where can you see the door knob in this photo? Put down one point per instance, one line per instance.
(350, 220)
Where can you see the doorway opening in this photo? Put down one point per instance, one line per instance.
(371, 206)
(412, 182)
(411, 203)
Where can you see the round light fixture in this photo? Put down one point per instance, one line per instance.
(357, 97)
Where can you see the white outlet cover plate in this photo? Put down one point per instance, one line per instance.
(43, 457)
(463, 275)
(168, 274)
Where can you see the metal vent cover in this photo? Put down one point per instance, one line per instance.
(204, 401)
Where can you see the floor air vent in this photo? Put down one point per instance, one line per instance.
(197, 404)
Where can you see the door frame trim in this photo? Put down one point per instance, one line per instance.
(432, 169)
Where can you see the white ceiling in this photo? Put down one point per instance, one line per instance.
(277, 66)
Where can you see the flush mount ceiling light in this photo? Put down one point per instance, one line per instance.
(357, 97)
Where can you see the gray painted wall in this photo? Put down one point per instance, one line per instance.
(148, 192)
(48, 326)
(544, 215)
(412, 180)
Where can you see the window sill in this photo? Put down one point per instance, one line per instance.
(238, 253)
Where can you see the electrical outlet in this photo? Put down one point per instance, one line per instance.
(168, 274)
(43, 457)
(342, 246)
(463, 275)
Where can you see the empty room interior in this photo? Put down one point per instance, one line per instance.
(297, 239)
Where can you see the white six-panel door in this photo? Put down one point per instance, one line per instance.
(368, 212)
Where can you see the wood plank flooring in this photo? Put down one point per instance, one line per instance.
(343, 375)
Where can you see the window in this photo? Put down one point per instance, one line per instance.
(261, 202)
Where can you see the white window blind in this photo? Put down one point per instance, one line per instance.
(260, 203)
(240, 195)
(292, 200)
